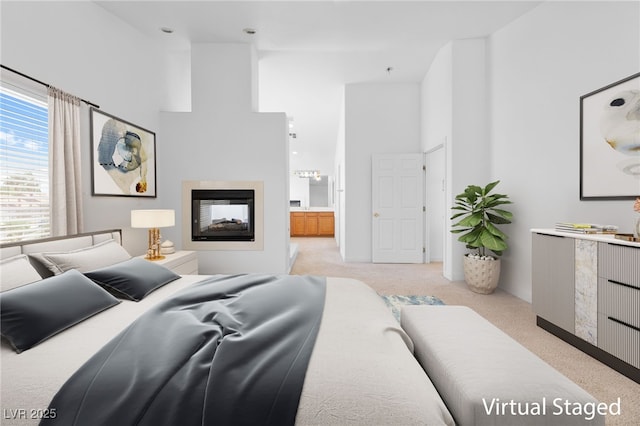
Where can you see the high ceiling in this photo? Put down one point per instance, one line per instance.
(309, 50)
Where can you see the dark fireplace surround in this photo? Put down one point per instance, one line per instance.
(222, 215)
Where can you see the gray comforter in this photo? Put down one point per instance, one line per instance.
(203, 357)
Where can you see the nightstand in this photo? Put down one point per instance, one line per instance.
(183, 262)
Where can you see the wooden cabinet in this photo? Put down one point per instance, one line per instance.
(312, 224)
(297, 223)
(326, 224)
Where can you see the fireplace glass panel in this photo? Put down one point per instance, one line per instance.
(222, 215)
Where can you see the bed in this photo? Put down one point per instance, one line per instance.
(360, 367)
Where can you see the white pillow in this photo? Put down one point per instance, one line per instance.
(86, 259)
(16, 271)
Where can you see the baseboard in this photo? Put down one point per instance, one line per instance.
(605, 357)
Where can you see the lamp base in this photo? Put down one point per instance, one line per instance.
(159, 257)
(153, 252)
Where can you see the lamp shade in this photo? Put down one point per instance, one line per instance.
(152, 218)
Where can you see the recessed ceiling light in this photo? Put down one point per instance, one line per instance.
(166, 30)
(249, 31)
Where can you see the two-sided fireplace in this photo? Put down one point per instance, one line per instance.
(222, 215)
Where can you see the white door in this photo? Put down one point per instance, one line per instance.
(397, 201)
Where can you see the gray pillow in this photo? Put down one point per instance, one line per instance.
(133, 279)
(34, 312)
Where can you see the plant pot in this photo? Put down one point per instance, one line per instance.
(481, 275)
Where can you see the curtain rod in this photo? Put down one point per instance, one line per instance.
(43, 83)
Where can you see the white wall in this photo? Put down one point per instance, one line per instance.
(436, 130)
(223, 140)
(317, 119)
(468, 154)
(540, 65)
(177, 72)
(339, 173)
(454, 93)
(526, 88)
(85, 51)
(379, 118)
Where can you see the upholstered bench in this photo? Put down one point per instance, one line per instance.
(487, 378)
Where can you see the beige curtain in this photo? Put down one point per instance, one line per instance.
(65, 163)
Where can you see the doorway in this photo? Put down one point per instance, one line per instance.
(435, 217)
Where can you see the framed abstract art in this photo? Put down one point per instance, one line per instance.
(610, 141)
(123, 157)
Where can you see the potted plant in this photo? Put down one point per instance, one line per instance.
(477, 212)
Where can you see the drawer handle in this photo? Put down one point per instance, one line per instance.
(623, 284)
(624, 323)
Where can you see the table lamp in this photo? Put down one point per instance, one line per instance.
(153, 219)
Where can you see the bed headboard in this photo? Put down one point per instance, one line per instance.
(63, 243)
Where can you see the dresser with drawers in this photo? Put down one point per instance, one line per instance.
(586, 290)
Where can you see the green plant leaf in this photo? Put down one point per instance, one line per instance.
(492, 242)
(461, 207)
(496, 232)
(476, 213)
(496, 203)
(458, 231)
(490, 186)
(457, 215)
(472, 238)
(504, 213)
(495, 200)
(471, 221)
(472, 192)
(500, 220)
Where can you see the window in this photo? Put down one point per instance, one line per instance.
(24, 166)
